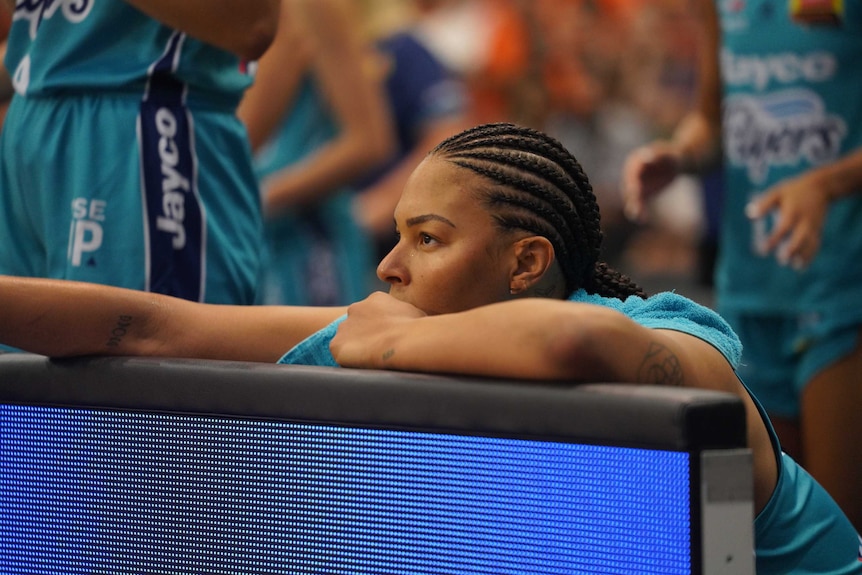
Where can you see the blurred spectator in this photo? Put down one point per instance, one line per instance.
(318, 119)
(778, 108)
(428, 103)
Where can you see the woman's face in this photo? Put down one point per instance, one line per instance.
(450, 256)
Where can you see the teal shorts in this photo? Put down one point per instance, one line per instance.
(104, 189)
(781, 354)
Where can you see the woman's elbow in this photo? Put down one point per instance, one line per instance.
(257, 39)
(569, 355)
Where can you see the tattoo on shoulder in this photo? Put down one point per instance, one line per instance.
(121, 328)
(660, 366)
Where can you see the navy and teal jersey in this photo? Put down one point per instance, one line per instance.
(122, 161)
(93, 45)
(792, 101)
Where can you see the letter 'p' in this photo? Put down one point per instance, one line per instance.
(86, 237)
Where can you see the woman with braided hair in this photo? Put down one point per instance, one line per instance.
(496, 273)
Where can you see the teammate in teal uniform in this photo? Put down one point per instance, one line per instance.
(318, 119)
(496, 273)
(780, 83)
(317, 252)
(112, 157)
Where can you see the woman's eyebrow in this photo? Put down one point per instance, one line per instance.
(427, 218)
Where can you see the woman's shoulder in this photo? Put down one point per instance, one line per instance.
(669, 310)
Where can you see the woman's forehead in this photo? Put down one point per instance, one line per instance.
(438, 186)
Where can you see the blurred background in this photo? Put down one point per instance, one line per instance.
(603, 76)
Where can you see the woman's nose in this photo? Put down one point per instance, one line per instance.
(391, 269)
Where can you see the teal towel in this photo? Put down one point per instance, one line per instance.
(665, 310)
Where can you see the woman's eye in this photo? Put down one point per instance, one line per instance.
(426, 240)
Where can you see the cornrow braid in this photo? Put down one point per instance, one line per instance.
(542, 189)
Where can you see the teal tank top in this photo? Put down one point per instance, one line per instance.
(792, 102)
(57, 46)
(308, 126)
(317, 254)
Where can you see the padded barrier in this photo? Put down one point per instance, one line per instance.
(633, 415)
(149, 465)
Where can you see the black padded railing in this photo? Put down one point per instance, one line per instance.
(634, 415)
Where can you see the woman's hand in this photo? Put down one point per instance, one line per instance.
(801, 205)
(364, 339)
(647, 171)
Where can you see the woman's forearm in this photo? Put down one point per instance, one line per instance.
(63, 318)
(528, 339)
(537, 338)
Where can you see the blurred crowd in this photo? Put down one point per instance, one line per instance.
(603, 76)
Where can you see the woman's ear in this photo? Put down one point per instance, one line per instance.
(534, 257)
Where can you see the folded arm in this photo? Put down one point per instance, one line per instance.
(62, 318)
(545, 339)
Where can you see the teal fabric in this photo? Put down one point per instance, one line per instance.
(317, 255)
(314, 350)
(93, 175)
(802, 531)
(93, 45)
(793, 101)
(71, 153)
(665, 310)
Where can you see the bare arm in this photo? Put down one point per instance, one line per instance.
(62, 318)
(695, 143)
(549, 340)
(279, 73)
(802, 204)
(343, 66)
(244, 27)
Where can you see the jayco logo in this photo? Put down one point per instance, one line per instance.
(781, 129)
(85, 236)
(785, 68)
(37, 11)
(174, 184)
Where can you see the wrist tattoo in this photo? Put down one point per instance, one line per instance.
(660, 366)
(387, 355)
(120, 330)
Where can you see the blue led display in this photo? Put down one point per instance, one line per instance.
(125, 493)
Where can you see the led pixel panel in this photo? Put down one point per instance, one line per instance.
(131, 493)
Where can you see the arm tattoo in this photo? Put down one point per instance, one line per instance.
(660, 366)
(387, 355)
(120, 330)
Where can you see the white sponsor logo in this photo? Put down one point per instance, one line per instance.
(781, 129)
(36, 11)
(784, 68)
(86, 234)
(21, 77)
(174, 184)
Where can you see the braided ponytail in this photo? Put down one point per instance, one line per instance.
(542, 189)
